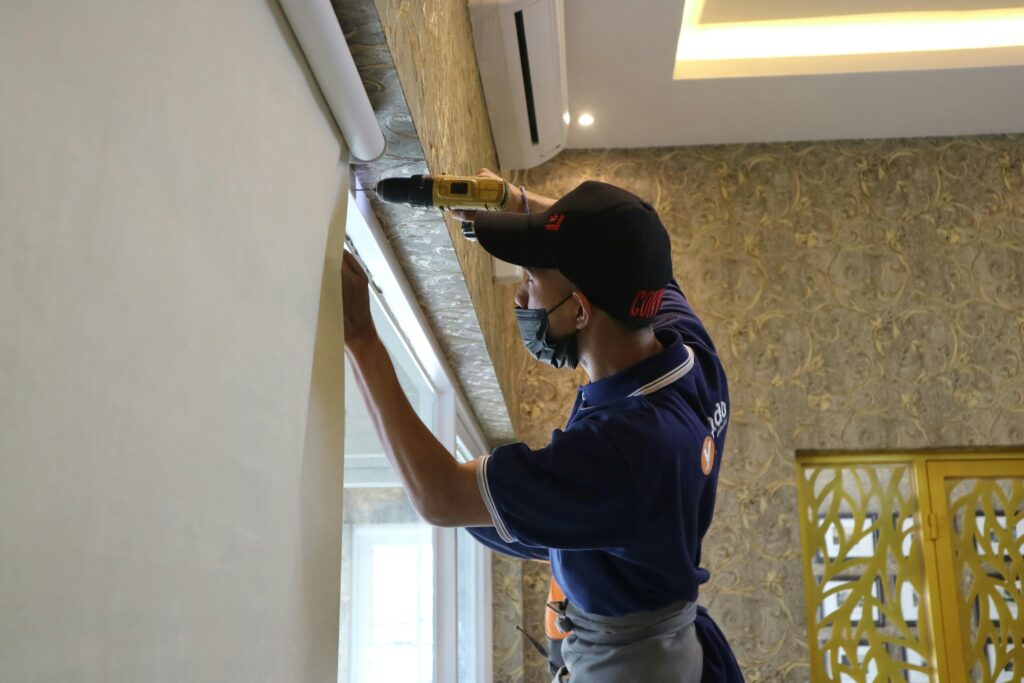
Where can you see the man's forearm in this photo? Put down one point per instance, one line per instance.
(421, 461)
(537, 202)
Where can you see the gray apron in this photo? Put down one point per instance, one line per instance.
(646, 647)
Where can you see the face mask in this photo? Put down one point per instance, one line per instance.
(533, 327)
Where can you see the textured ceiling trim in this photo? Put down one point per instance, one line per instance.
(420, 239)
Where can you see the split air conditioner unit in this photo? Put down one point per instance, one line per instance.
(520, 48)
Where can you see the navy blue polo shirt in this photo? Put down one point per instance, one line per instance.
(620, 499)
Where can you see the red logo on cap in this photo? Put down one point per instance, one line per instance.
(554, 222)
(646, 303)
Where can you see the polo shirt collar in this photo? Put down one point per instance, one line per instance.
(647, 376)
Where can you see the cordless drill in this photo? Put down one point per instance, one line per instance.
(446, 192)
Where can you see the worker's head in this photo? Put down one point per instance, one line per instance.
(597, 260)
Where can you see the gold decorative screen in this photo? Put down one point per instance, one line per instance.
(913, 567)
(980, 506)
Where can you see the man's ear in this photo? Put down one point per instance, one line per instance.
(584, 310)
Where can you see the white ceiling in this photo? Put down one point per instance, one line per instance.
(760, 10)
(621, 55)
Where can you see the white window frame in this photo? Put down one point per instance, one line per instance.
(451, 418)
(472, 440)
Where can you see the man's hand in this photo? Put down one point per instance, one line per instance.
(515, 200)
(355, 296)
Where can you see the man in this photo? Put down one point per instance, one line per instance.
(620, 499)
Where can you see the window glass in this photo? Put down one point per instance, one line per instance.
(387, 568)
(392, 615)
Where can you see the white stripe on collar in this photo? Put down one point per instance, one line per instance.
(668, 377)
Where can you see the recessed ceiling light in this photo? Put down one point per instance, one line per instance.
(585, 119)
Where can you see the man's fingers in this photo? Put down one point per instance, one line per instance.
(349, 261)
(351, 264)
(464, 215)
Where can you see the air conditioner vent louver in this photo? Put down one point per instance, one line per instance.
(524, 63)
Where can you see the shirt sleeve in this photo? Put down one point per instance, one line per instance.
(488, 536)
(578, 492)
(676, 312)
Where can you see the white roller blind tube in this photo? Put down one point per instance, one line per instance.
(320, 37)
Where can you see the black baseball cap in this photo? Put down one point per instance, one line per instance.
(608, 242)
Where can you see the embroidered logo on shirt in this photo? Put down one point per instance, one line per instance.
(720, 418)
(707, 455)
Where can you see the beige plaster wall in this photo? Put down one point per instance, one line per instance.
(170, 375)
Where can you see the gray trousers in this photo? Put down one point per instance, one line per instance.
(647, 647)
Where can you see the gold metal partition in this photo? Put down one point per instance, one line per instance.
(980, 512)
(913, 567)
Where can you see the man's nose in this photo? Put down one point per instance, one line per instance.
(521, 297)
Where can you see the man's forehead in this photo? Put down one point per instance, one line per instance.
(549, 273)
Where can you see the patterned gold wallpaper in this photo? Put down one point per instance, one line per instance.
(863, 295)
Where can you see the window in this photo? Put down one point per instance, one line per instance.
(415, 599)
(473, 599)
(392, 610)
(387, 632)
